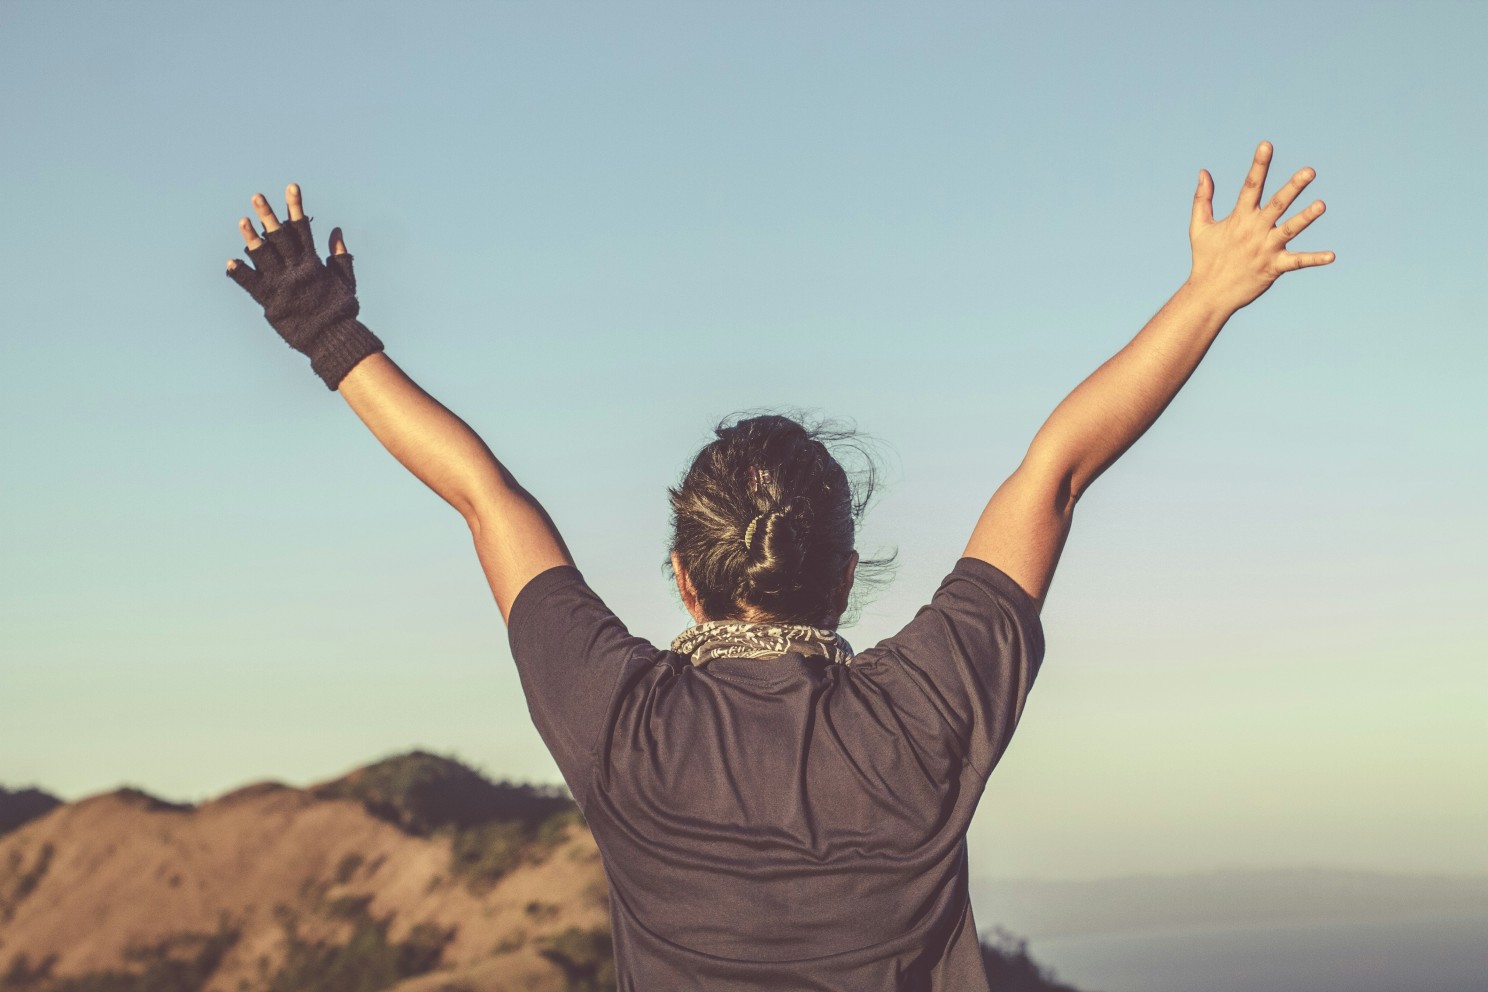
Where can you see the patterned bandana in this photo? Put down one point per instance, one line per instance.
(765, 641)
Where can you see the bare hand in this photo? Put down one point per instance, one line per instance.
(1237, 259)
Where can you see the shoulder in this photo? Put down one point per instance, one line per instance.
(558, 613)
(558, 580)
(976, 606)
(995, 584)
(979, 582)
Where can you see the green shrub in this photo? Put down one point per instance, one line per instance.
(586, 957)
(19, 881)
(22, 974)
(348, 907)
(493, 826)
(180, 963)
(1010, 967)
(347, 868)
(482, 855)
(367, 962)
(24, 805)
(422, 793)
(509, 944)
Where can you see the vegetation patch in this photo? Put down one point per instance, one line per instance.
(367, 962)
(348, 907)
(1011, 969)
(421, 793)
(509, 944)
(493, 827)
(347, 868)
(22, 974)
(19, 880)
(586, 958)
(141, 799)
(183, 962)
(21, 806)
(482, 855)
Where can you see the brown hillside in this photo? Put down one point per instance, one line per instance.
(385, 860)
(414, 874)
(19, 806)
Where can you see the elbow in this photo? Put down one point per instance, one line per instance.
(472, 519)
(484, 498)
(1068, 493)
(467, 503)
(1072, 486)
(480, 515)
(1062, 480)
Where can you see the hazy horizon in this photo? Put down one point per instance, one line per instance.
(978, 878)
(594, 231)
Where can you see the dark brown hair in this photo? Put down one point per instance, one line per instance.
(764, 521)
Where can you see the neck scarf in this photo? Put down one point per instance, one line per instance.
(765, 641)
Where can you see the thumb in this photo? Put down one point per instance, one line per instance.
(1203, 204)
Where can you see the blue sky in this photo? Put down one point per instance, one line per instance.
(594, 230)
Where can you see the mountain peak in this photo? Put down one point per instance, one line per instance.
(20, 806)
(421, 792)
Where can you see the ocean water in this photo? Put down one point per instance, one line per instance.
(1418, 955)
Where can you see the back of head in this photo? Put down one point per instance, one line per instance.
(764, 521)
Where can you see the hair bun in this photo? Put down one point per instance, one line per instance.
(764, 519)
(776, 543)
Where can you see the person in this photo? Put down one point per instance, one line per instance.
(774, 810)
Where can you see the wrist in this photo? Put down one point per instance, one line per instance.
(339, 347)
(1207, 299)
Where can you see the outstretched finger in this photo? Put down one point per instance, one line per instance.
(1255, 179)
(1278, 204)
(1295, 260)
(244, 275)
(296, 205)
(340, 260)
(249, 233)
(265, 213)
(1203, 205)
(1299, 223)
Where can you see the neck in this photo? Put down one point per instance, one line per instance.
(761, 640)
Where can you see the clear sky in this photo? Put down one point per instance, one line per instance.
(593, 230)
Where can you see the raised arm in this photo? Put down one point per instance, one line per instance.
(514, 536)
(313, 306)
(1023, 529)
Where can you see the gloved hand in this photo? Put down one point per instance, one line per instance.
(311, 304)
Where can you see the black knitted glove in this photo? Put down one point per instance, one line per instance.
(311, 304)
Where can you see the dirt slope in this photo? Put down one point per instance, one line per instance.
(413, 874)
(111, 882)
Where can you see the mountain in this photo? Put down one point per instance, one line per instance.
(1046, 909)
(23, 805)
(409, 865)
(413, 874)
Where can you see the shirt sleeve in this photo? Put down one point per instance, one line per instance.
(572, 653)
(972, 653)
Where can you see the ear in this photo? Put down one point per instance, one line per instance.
(686, 590)
(844, 591)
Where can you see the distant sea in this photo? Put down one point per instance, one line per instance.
(1416, 955)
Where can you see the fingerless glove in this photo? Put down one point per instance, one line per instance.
(311, 304)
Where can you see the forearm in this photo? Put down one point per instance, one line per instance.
(430, 441)
(1024, 527)
(1114, 406)
(313, 306)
